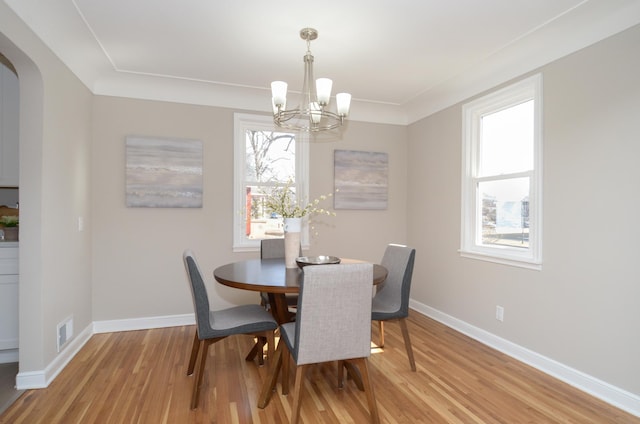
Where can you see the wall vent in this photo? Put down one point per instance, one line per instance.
(64, 332)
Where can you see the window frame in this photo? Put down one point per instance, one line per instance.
(471, 217)
(242, 123)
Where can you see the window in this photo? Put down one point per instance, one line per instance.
(265, 159)
(501, 182)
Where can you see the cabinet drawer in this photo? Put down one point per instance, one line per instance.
(8, 266)
(8, 260)
(8, 252)
(8, 311)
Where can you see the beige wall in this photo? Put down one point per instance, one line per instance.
(583, 308)
(137, 265)
(55, 119)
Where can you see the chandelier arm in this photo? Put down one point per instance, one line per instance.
(302, 120)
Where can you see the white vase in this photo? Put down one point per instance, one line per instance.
(292, 229)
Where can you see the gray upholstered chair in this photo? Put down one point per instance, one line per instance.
(391, 301)
(332, 324)
(213, 326)
(274, 249)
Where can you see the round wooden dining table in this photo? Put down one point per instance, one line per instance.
(272, 277)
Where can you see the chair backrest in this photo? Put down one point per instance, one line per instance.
(396, 289)
(333, 319)
(273, 248)
(198, 294)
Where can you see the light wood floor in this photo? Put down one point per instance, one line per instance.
(140, 377)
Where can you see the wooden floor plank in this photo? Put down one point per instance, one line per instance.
(140, 377)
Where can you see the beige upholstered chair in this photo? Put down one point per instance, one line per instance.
(213, 326)
(391, 301)
(333, 323)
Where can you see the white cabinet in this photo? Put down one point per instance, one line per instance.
(9, 124)
(9, 285)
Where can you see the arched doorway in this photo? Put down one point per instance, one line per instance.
(30, 153)
(9, 183)
(9, 274)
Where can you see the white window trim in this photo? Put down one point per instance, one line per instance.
(471, 112)
(242, 123)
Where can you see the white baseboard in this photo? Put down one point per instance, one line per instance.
(613, 395)
(133, 324)
(41, 379)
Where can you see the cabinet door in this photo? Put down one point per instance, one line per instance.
(9, 285)
(9, 124)
(8, 312)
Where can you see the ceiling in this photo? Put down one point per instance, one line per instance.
(400, 59)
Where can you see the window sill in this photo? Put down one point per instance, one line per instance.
(503, 260)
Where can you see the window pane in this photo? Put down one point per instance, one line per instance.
(507, 141)
(260, 223)
(271, 156)
(271, 160)
(505, 212)
(265, 158)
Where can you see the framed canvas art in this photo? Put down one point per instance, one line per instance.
(360, 179)
(163, 172)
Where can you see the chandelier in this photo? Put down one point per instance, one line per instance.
(312, 114)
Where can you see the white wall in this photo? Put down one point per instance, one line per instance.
(583, 308)
(137, 252)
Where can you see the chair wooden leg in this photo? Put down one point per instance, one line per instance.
(204, 352)
(354, 374)
(270, 383)
(194, 354)
(271, 339)
(407, 343)
(286, 366)
(381, 328)
(363, 364)
(297, 393)
(260, 342)
(340, 374)
(258, 347)
(254, 351)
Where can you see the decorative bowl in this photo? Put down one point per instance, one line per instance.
(303, 261)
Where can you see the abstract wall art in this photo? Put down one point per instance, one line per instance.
(163, 172)
(360, 179)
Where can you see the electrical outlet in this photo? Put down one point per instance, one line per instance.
(500, 313)
(80, 223)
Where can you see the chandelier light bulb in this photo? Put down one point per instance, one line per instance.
(275, 107)
(279, 93)
(323, 90)
(343, 100)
